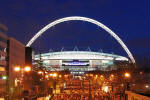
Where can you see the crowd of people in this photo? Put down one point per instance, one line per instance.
(82, 97)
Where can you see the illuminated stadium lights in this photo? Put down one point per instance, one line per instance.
(82, 19)
(80, 55)
(79, 61)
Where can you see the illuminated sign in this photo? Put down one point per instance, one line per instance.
(75, 63)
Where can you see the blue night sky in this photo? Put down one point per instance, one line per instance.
(129, 19)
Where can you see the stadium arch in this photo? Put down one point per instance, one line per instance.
(79, 18)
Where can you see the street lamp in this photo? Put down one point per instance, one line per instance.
(17, 69)
(21, 79)
(127, 75)
(27, 69)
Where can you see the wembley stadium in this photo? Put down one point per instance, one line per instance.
(79, 62)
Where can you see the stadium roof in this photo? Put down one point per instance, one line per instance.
(84, 55)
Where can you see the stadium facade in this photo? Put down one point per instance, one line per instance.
(78, 62)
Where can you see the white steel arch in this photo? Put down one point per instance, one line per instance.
(82, 19)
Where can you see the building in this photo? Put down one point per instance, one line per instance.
(135, 96)
(16, 57)
(28, 56)
(3, 56)
(78, 62)
(140, 82)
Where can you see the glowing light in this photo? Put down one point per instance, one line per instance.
(65, 76)
(122, 85)
(17, 69)
(101, 76)
(141, 73)
(91, 75)
(87, 74)
(105, 89)
(46, 76)
(16, 82)
(27, 69)
(47, 97)
(51, 74)
(40, 72)
(146, 86)
(112, 75)
(96, 76)
(4, 77)
(127, 75)
(82, 19)
(80, 55)
(55, 75)
(2, 99)
(60, 76)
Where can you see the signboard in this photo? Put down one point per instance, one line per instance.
(75, 63)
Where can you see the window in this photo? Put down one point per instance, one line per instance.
(2, 48)
(3, 40)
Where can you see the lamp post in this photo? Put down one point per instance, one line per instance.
(22, 70)
(127, 76)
